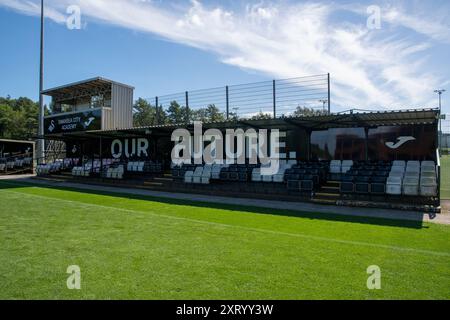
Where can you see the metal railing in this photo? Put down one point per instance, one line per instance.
(268, 99)
(444, 135)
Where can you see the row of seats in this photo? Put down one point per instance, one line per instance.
(413, 178)
(16, 163)
(114, 172)
(237, 172)
(56, 166)
(365, 177)
(278, 177)
(144, 166)
(86, 169)
(306, 177)
(47, 168)
(201, 175)
(302, 176)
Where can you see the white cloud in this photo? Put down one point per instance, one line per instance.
(369, 68)
(434, 27)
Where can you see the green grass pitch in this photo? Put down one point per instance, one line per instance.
(131, 247)
(445, 177)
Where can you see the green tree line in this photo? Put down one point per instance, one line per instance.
(18, 118)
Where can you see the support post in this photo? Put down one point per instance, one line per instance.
(274, 100)
(101, 157)
(187, 107)
(329, 95)
(227, 102)
(157, 111)
(41, 141)
(366, 143)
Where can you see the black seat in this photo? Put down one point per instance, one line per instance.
(289, 171)
(243, 176)
(306, 185)
(347, 185)
(224, 175)
(293, 185)
(233, 176)
(362, 184)
(293, 177)
(378, 185)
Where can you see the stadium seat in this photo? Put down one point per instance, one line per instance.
(256, 175)
(188, 176)
(347, 185)
(362, 184)
(411, 186)
(293, 185)
(413, 163)
(428, 187)
(428, 174)
(378, 185)
(243, 176)
(394, 186)
(233, 176)
(215, 171)
(206, 175)
(335, 166)
(307, 184)
(346, 165)
(399, 163)
(197, 175)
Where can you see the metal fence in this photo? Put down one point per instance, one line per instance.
(272, 99)
(444, 135)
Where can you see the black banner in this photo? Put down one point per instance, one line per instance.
(225, 309)
(81, 121)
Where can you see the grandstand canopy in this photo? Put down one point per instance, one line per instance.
(320, 122)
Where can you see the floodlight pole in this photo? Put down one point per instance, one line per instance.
(440, 92)
(41, 144)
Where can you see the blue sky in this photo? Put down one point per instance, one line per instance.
(169, 46)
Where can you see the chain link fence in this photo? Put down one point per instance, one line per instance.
(266, 99)
(444, 144)
(444, 136)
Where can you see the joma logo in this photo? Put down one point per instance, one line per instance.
(400, 141)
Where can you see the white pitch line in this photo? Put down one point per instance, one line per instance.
(298, 235)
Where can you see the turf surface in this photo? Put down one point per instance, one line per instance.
(130, 247)
(445, 177)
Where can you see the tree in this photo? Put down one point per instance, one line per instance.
(18, 118)
(147, 115)
(208, 114)
(305, 111)
(213, 113)
(178, 114)
(261, 116)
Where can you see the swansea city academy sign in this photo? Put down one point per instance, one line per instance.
(80, 121)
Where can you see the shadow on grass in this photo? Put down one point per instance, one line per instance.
(415, 224)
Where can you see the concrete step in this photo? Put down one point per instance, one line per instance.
(327, 196)
(153, 183)
(163, 179)
(324, 201)
(329, 189)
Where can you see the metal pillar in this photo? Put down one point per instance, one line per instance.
(329, 95)
(227, 102)
(274, 99)
(41, 141)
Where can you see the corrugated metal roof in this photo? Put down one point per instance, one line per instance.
(379, 118)
(82, 85)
